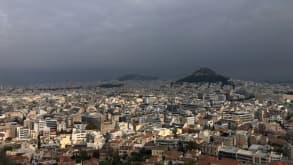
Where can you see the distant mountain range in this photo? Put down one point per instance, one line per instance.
(204, 75)
(136, 77)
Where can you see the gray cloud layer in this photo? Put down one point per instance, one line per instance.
(242, 38)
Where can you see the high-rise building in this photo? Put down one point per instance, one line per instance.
(52, 124)
(23, 133)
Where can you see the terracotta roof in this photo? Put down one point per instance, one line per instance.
(65, 159)
(173, 155)
(281, 163)
(148, 135)
(126, 148)
(92, 161)
(193, 152)
(116, 141)
(207, 160)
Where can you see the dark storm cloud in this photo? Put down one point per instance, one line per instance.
(244, 38)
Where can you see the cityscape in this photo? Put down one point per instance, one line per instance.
(138, 120)
(146, 82)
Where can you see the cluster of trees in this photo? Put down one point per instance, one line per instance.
(114, 158)
(3, 157)
(83, 155)
(184, 147)
(91, 126)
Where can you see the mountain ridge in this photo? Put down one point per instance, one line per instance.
(204, 75)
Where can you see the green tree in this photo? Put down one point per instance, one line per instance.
(91, 126)
(4, 159)
(192, 162)
(159, 163)
(7, 148)
(116, 158)
(136, 156)
(96, 154)
(106, 162)
(82, 156)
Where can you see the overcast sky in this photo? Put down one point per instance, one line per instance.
(52, 40)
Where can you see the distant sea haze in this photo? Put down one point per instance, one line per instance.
(37, 76)
(22, 77)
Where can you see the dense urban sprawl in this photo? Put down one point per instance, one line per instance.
(148, 123)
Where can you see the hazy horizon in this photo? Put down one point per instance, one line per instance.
(31, 77)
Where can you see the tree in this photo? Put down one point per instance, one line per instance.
(9, 139)
(96, 154)
(159, 163)
(136, 156)
(106, 162)
(82, 156)
(140, 156)
(4, 159)
(116, 158)
(192, 145)
(91, 126)
(192, 162)
(7, 148)
(181, 147)
(290, 137)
